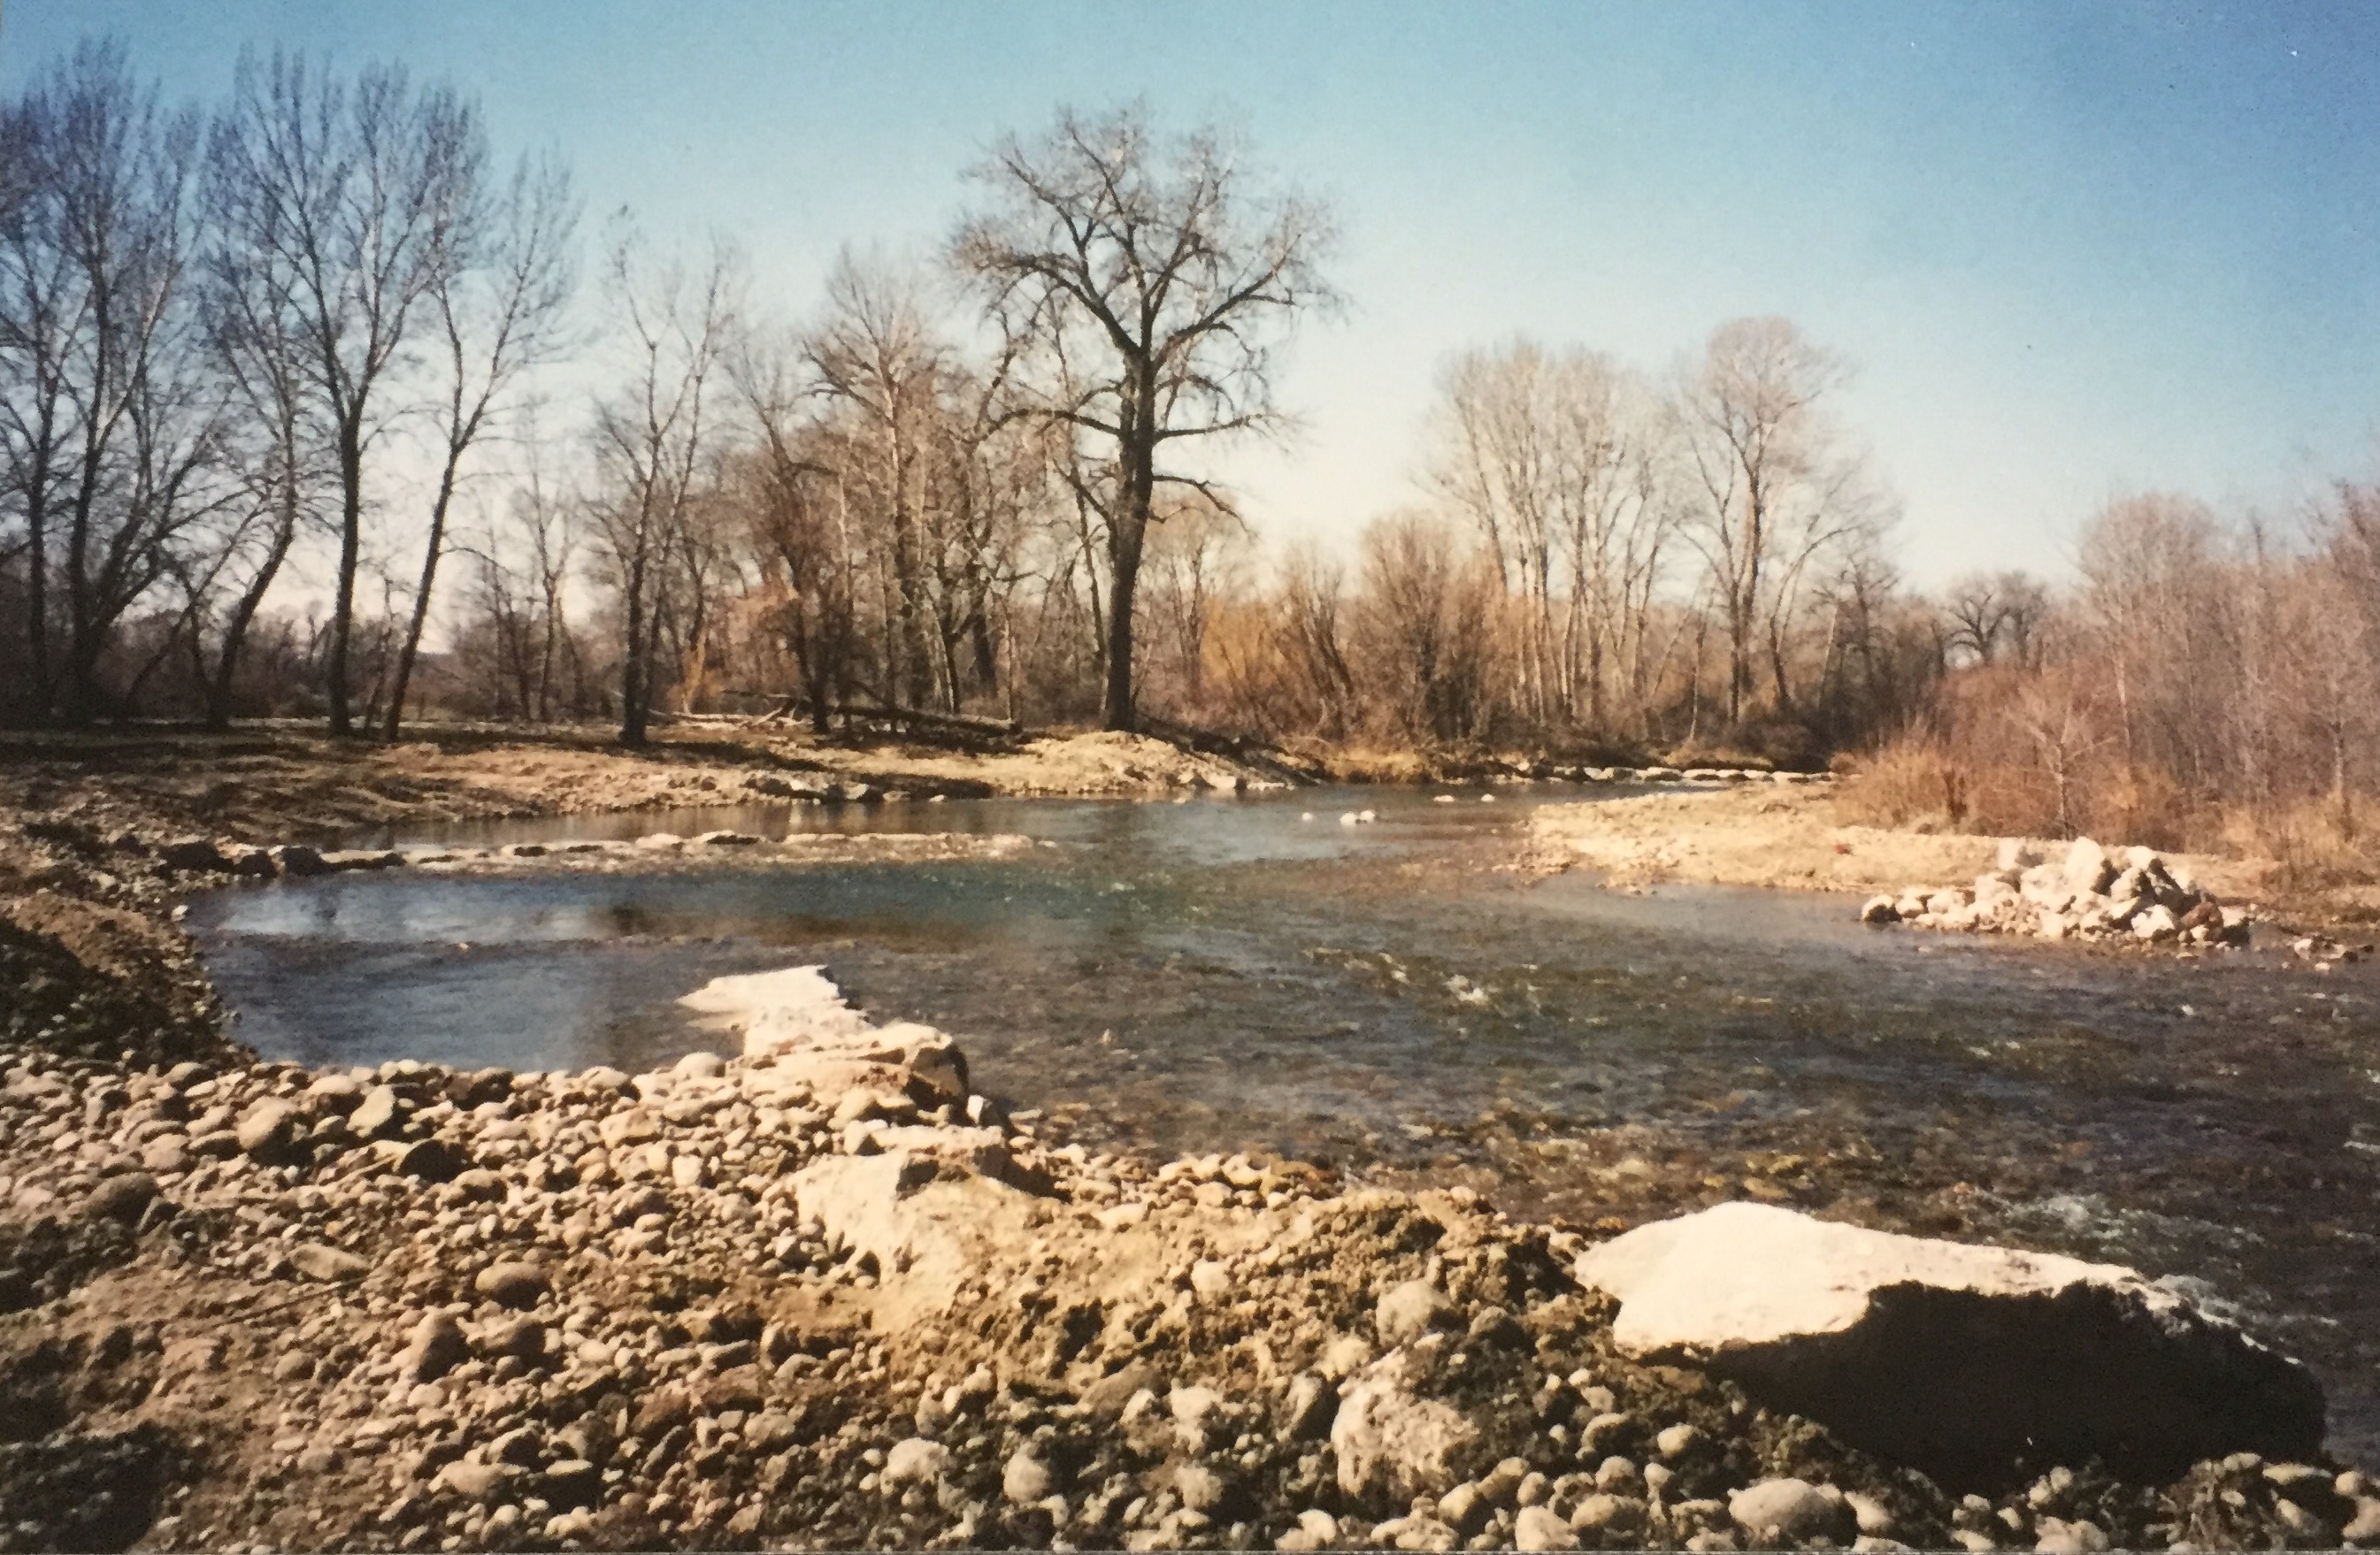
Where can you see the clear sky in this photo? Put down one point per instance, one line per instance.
(2074, 248)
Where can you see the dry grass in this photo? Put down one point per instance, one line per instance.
(2318, 845)
(1927, 784)
(1909, 784)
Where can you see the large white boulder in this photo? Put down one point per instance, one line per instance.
(1951, 1357)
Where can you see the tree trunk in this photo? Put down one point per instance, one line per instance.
(1128, 531)
(633, 670)
(37, 578)
(437, 544)
(1116, 703)
(82, 653)
(343, 611)
(243, 615)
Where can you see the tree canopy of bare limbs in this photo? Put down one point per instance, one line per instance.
(1774, 487)
(1996, 615)
(314, 321)
(655, 438)
(109, 419)
(1556, 459)
(345, 191)
(1146, 286)
(500, 276)
(933, 485)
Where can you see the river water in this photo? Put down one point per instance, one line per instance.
(1226, 973)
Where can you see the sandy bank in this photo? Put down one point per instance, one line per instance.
(1790, 838)
(270, 785)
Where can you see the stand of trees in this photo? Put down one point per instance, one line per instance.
(2201, 682)
(277, 435)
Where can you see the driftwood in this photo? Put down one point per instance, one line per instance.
(1240, 749)
(955, 722)
(790, 707)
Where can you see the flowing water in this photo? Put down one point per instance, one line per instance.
(1226, 973)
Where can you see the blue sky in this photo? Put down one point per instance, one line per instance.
(2074, 249)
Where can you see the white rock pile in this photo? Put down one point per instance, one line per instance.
(2091, 893)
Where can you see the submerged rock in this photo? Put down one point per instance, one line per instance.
(1875, 1336)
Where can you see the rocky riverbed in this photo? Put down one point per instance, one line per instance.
(814, 1288)
(819, 1293)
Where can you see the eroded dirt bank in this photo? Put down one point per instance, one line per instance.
(813, 1290)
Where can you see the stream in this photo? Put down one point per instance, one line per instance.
(1223, 974)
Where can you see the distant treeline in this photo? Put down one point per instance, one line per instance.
(302, 345)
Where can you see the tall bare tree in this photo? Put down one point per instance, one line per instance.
(1153, 284)
(109, 407)
(654, 437)
(500, 279)
(1774, 486)
(1557, 459)
(347, 185)
(1426, 623)
(2153, 595)
(1192, 557)
(878, 363)
(1995, 614)
(280, 446)
(40, 309)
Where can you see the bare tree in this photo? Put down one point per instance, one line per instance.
(1774, 487)
(2054, 715)
(40, 309)
(1977, 618)
(1426, 624)
(1152, 286)
(788, 486)
(996, 500)
(346, 188)
(281, 448)
(1313, 607)
(877, 357)
(1556, 459)
(113, 409)
(1994, 613)
(2152, 593)
(524, 560)
(1500, 464)
(2025, 606)
(1191, 558)
(501, 277)
(653, 438)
